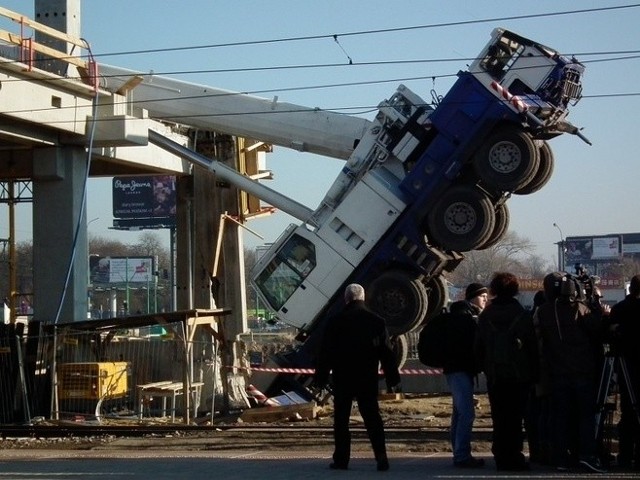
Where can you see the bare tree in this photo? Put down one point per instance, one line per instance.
(149, 244)
(106, 247)
(512, 254)
(630, 267)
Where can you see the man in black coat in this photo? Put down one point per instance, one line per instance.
(354, 345)
(625, 315)
(569, 333)
(507, 350)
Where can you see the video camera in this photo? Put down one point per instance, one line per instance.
(580, 287)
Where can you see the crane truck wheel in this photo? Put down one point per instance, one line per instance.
(543, 175)
(507, 160)
(462, 219)
(400, 349)
(500, 228)
(400, 299)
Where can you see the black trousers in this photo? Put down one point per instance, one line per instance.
(508, 402)
(368, 407)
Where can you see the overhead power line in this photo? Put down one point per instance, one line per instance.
(362, 110)
(614, 56)
(333, 85)
(627, 55)
(373, 63)
(335, 36)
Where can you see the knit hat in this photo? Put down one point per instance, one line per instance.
(475, 289)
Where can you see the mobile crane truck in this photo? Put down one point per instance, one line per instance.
(424, 184)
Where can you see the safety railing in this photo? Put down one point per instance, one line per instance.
(29, 50)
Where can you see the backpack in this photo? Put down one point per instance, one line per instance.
(506, 358)
(432, 342)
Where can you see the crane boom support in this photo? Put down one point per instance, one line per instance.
(230, 175)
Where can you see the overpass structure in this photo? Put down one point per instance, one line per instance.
(50, 96)
(65, 118)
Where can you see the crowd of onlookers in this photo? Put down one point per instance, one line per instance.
(543, 368)
(543, 365)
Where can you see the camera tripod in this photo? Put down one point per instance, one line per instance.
(607, 381)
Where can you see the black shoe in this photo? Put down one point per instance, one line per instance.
(383, 465)
(593, 465)
(338, 466)
(470, 462)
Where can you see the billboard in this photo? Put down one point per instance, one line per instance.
(121, 269)
(144, 196)
(587, 249)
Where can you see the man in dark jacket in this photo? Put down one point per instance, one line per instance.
(625, 315)
(507, 351)
(569, 332)
(354, 345)
(460, 369)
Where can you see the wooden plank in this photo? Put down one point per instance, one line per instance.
(167, 388)
(52, 32)
(153, 384)
(130, 84)
(51, 52)
(390, 396)
(304, 411)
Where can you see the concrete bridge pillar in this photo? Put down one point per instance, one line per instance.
(58, 186)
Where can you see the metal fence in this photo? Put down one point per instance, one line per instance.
(150, 373)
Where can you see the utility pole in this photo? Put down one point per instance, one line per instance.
(560, 249)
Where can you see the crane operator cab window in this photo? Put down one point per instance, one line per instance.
(501, 56)
(288, 269)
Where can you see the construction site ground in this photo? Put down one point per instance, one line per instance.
(414, 423)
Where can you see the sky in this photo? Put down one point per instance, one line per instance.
(422, 44)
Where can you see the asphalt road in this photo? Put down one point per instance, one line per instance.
(131, 464)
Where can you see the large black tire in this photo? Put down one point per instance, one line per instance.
(507, 160)
(400, 349)
(461, 220)
(543, 175)
(500, 228)
(400, 299)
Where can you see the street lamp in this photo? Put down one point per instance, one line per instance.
(560, 249)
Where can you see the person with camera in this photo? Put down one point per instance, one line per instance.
(569, 334)
(625, 319)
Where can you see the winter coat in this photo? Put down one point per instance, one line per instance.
(461, 334)
(570, 334)
(507, 314)
(626, 315)
(354, 344)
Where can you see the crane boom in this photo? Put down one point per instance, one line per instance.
(285, 124)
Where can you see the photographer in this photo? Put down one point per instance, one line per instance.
(625, 319)
(569, 333)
